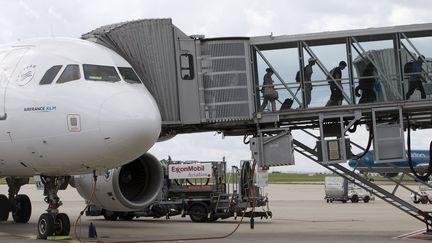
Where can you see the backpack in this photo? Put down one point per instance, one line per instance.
(408, 67)
(297, 77)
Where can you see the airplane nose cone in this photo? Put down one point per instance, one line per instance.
(130, 124)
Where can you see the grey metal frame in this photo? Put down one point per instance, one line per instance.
(277, 75)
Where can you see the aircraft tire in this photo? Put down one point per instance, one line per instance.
(62, 224)
(46, 226)
(424, 200)
(4, 207)
(21, 211)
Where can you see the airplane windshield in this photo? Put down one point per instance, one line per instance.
(100, 73)
(129, 75)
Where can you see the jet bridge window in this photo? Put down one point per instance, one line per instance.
(129, 75)
(50, 75)
(187, 67)
(70, 73)
(100, 73)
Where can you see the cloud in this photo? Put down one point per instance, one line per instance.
(29, 12)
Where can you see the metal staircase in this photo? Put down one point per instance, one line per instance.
(389, 197)
(365, 183)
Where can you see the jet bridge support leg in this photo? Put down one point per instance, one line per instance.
(53, 222)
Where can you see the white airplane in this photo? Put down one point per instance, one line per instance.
(67, 107)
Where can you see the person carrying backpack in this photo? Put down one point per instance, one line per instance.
(308, 80)
(336, 96)
(366, 86)
(269, 92)
(415, 78)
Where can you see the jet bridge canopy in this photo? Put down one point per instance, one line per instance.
(148, 46)
(194, 81)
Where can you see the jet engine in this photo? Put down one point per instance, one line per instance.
(128, 188)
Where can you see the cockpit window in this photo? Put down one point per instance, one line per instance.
(129, 75)
(70, 73)
(50, 75)
(100, 73)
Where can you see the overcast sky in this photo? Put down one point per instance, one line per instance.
(21, 19)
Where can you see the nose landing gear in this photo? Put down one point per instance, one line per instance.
(52, 222)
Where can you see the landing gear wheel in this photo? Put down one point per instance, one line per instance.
(62, 224)
(5, 207)
(46, 226)
(198, 213)
(22, 209)
(109, 215)
(53, 222)
(424, 200)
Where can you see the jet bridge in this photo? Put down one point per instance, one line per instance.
(207, 84)
(214, 84)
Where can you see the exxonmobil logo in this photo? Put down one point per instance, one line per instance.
(185, 171)
(189, 168)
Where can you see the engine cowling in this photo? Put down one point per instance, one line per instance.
(128, 188)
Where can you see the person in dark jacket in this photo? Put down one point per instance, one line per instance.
(336, 96)
(366, 86)
(415, 78)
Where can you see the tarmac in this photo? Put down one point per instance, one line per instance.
(300, 214)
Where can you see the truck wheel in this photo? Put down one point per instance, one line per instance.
(109, 215)
(354, 198)
(366, 199)
(197, 213)
(424, 200)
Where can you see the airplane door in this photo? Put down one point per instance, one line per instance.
(9, 60)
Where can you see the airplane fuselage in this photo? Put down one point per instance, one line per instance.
(420, 161)
(80, 121)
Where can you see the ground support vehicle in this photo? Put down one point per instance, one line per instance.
(204, 192)
(340, 189)
(424, 194)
